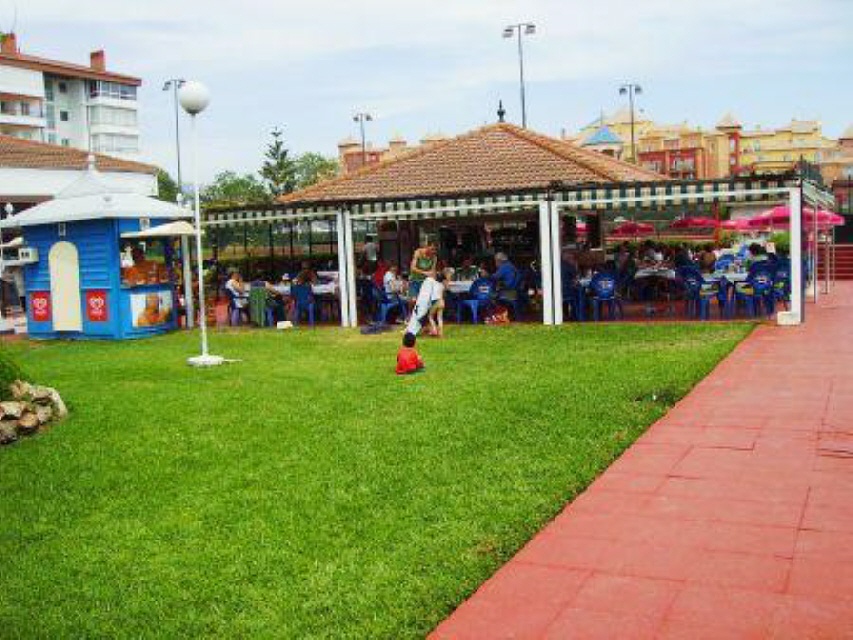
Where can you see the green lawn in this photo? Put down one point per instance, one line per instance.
(307, 491)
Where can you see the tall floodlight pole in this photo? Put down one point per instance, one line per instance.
(174, 84)
(519, 29)
(194, 98)
(361, 118)
(630, 89)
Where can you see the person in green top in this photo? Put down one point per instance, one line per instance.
(424, 263)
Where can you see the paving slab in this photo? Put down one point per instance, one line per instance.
(732, 516)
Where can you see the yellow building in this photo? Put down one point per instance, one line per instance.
(685, 152)
(777, 150)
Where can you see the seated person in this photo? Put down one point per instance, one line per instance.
(505, 277)
(236, 289)
(707, 259)
(391, 283)
(468, 270)
(408, 359)
(307, 275)
(682, 258)
(756, 253)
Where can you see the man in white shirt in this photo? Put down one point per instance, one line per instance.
(371, 252)
(390, 282)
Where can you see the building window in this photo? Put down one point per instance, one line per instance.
(63, 87)
(51, 117)
(112, 116)
(63, 116)
(66, 142)
(51, 138)
(118, 91)
(115, 143)
(48, 91)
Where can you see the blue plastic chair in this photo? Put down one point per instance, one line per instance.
(724, 262)
(782, 281)
(604, 292)
(699, 293)
(386, 304)
(573, 298)
(757, 291)
(303, 302)
(480, 296)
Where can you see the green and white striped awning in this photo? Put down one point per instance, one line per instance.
(615, 198)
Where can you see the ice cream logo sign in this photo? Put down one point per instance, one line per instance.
(40, 305)
(96, 306)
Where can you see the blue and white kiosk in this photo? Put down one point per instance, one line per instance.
(86, 268)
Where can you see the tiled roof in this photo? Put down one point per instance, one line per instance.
(68, 69)
(495, 158)
(27, 154)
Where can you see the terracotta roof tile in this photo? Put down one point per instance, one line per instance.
(498, 157)
(28, 154)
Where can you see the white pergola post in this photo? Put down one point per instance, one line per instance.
(556, 262)
(546, 250)
(351, 299)
(343, 270)
(795, 315)
(188, 282)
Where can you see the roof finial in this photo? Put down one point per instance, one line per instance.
(501, 111)
(90, 162)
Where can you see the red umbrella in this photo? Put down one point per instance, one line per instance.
(740, 224)
(631, 229)
(781, 216)
(694, 223)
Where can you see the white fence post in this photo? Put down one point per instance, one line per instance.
(545, 250)
(343, 270)
(795, 315)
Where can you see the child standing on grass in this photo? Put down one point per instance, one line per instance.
(408, 359)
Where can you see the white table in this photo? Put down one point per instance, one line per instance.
(655, 272)
(459, 286)
(737, 276)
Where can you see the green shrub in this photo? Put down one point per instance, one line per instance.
(9, 372)
(782, 240)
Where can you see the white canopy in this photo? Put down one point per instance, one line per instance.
(92, 197)
(170, 229)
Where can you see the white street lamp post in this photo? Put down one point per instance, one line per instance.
(194, 98)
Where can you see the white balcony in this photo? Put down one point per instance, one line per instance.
(18, 120)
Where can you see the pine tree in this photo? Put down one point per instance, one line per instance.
(278, 170)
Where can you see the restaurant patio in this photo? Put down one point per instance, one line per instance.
(559, 213)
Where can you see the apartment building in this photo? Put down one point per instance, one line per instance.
(83, 107)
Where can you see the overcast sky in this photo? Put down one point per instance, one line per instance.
(441, 65)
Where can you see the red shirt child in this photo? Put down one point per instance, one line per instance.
(408, 360)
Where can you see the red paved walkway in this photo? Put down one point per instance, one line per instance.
(732, 517)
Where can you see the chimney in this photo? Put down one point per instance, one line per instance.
(9, 44)
(97, 60)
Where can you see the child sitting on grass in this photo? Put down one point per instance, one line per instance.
(408, 359)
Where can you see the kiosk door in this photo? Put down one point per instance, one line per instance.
(64, 268)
